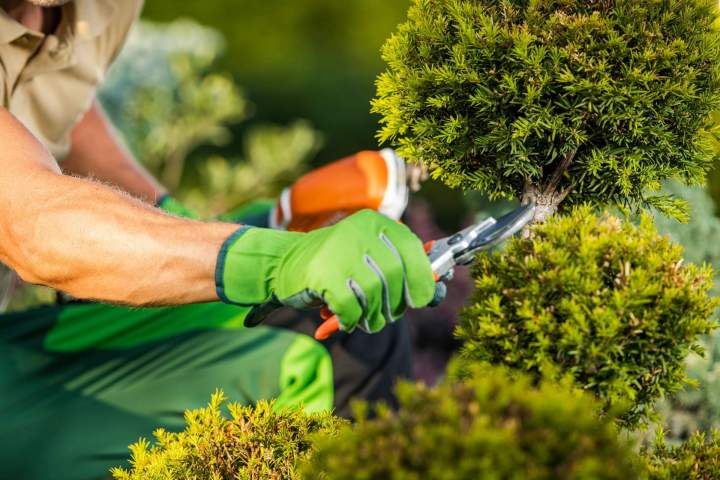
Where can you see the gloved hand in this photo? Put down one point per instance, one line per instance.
(367, 268)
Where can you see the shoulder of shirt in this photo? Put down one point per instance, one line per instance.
(126, 12)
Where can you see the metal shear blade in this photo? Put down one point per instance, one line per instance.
(461, 248)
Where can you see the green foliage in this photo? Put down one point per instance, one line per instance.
(164, 99)
(492, 426)
(273, 158)
(601, 301)
(167, 101)
(696, 459)
(318, 62)
(256, 443)
(598, 100)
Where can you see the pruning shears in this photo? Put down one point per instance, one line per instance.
(444, 255)
(448, 252)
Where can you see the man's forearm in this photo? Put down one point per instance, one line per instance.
(96, 243)
(92, 241)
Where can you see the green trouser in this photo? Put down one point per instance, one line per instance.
(80, 382)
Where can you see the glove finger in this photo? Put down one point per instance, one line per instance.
(370, 280)
(349, 302)
(388, 268)
(419, 279)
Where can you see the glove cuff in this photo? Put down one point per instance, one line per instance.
(247, 263)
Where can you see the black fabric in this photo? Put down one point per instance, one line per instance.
(365, 366)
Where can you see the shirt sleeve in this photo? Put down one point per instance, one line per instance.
(127, 13)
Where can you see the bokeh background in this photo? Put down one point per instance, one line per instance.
(310, 59)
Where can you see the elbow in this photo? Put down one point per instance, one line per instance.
(38, 273)
(37, 268)
(32, 256)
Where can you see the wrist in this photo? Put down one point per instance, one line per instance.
(247, 262)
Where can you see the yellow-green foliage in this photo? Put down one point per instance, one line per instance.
(602, 301)
(255, 443)
(598, 98)
(698, 458)
(490, 427)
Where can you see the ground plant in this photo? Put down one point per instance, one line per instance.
(698, 458)
(609, 304)
(254, 443)
(491, 426)
(576, 100)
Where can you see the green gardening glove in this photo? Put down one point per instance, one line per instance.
(367, 269)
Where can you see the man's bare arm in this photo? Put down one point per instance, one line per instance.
(97, 152)
(94, 242)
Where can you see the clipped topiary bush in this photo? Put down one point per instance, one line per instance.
(593, 100)
(601, 301)
(698, 458)
(491, 426)
(255, 443)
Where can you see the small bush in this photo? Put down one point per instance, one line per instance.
(698, 458)
(601, 301)
(596, 100)
(256, 443)
(491, 426)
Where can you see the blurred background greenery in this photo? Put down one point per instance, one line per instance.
(314, 59)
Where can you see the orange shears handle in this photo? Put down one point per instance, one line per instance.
(331, 323)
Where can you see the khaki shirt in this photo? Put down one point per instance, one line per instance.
(48, 81)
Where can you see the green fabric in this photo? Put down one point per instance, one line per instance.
(366, 268)
(97, 326)
(171, 205)
(306, 376)
(253, 213)
(79, 383)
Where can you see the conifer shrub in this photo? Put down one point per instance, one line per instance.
(492, 426)
(605, 303)
(698, 458)
(255, 443)
(589, 100)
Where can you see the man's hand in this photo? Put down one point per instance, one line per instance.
(368, 269)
